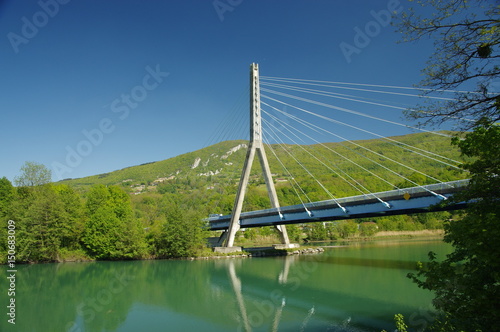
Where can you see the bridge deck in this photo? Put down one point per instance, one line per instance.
(393, 202)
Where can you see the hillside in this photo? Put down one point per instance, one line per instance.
(153, 173)
(143, 211)
(215, 170)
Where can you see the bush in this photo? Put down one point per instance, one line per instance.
(346, 228)
(368, 228)
(317, 232)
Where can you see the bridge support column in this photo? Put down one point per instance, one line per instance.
(256, 146)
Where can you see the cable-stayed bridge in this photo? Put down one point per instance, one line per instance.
(271, 123)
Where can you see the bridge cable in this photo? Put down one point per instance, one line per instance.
(344, 157)
(234, 124)
(334, 94)
(402, 145)
(378, 164)
(364, 90)
(310, 174)
(391, 141)
(390, 106)
(342, 109)
(315, 157)
(388, 169)
(291, 177)
(345, 97)
(373, 85)
(365, 191)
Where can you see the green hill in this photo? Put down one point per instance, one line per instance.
(209, 176)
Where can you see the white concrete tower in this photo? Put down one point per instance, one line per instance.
(255, 146)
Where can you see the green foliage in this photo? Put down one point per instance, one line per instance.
(368, 228)
(39, 235)
(181, 235)
(316, 232)
(33, 174)
(250, 234)
(7, 194)
(72, 229)
(346, 228)
(110, 231)
(400, 323)
(48, 221)
(294, 233)
(466, 36)
(467, 283)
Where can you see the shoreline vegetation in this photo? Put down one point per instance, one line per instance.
(263, 248)
(56, 223)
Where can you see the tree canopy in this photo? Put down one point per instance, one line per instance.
(33, 174)
(466, 37)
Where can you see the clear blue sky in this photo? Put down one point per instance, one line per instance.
(65, 70)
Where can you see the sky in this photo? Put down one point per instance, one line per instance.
(89, 87)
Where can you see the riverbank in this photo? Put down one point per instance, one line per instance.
(260, 248)
(261, 252)
(205, 254)
(410, 234)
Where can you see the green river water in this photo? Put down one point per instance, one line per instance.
(358, 287)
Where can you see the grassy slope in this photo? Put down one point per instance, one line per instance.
(185, 179)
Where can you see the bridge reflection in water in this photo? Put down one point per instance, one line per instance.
(261, 303)
(355, 288)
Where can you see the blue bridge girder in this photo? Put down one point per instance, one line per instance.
(421, 199)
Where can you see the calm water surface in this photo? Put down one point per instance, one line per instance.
(355, 288)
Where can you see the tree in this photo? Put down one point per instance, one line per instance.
(466, 36)
(181, 235)
(317, 232)
(467, 282)
(110, 231)
(346, 228)
(33, 174)
(41, 219)
(368, 228)
(71, 230)
(7, 194)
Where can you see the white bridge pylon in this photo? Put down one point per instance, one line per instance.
(255, 146)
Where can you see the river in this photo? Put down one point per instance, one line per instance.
(358, 287)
